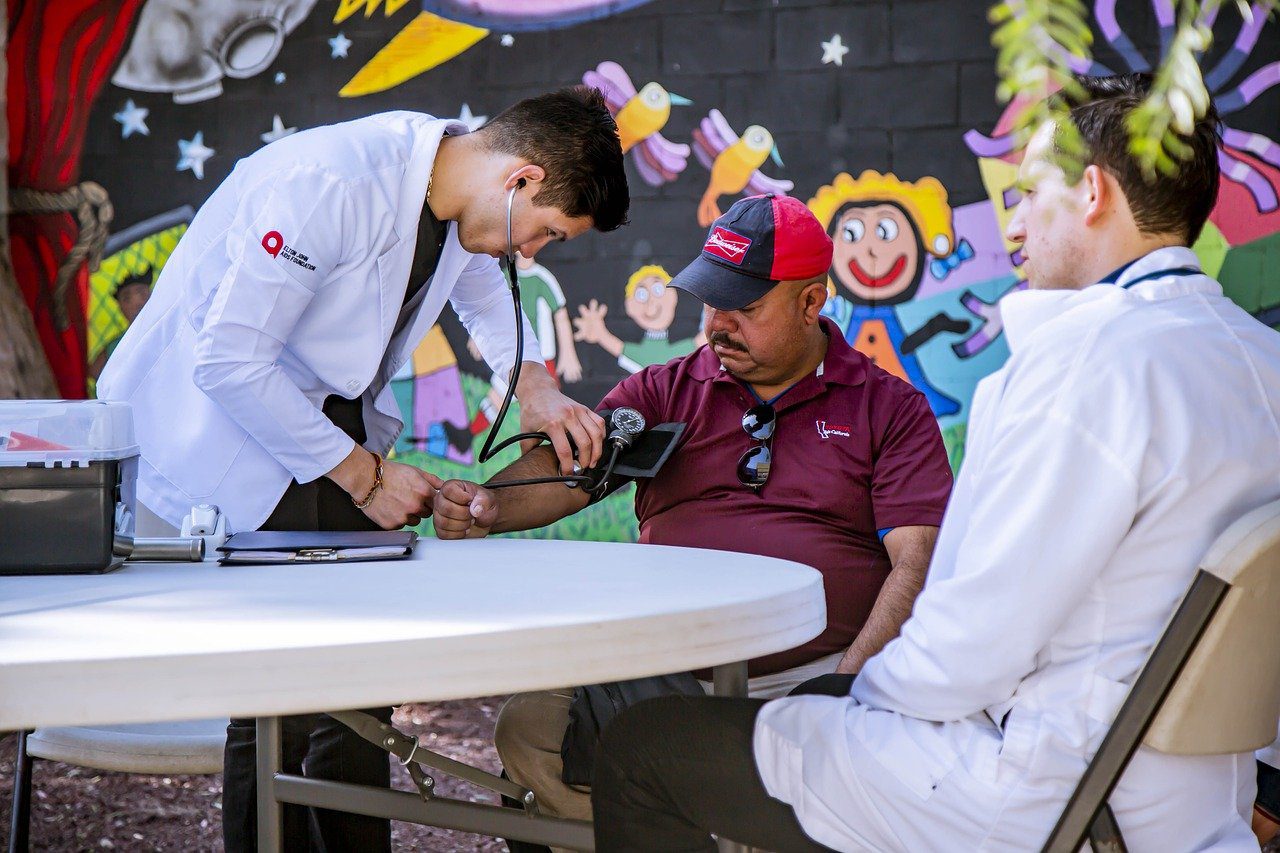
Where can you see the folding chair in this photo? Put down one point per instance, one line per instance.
(193, 747)
(1211, 685)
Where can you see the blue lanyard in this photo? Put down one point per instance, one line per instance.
(1176, 271)
(1114, 276)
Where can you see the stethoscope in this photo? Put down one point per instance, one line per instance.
(626, 428)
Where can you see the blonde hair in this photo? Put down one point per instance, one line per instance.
(925, 201)
(646, 271)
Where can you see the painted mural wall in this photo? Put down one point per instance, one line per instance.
(125, 115)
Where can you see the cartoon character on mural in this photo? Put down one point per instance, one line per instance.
(543, 302)
(186, 47)
(640, 116)
(130, 295)
(651, 303)
(734, 163)
(886, 233)
(433, 406)
(121, 286)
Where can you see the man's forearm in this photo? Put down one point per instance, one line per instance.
(533, 378)
(892, 607)
(527, 507)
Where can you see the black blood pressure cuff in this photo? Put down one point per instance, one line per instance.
(648, 452)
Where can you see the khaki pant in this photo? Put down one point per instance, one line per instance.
(531, 728)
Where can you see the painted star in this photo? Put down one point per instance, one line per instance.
(338, 46)
(277, 131)
(193, 153)
(133, 118)
(280, 78)
(833, 51)
(507, 40)
(473, 122)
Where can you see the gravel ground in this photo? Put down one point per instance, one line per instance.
(74, 809)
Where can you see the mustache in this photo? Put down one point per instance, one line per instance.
(723, 340)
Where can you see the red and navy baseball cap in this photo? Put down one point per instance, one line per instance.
(759, 242)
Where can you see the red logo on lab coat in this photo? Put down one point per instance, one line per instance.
(273, 243)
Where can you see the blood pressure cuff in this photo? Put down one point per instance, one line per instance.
(648, 452)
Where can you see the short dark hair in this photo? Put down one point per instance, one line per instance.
(145, 277)
(573, 137)
(1168, 204)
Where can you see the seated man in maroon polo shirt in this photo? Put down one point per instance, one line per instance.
(796, 446)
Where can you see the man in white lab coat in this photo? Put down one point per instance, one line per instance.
(1135, 419)
(260, 370)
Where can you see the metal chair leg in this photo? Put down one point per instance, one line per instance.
(20, 819)
(1104, 833)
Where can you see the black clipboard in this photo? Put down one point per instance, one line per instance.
(310, 546)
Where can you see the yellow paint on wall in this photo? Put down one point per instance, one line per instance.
(426, 42)
(433, 353)
(347, 8)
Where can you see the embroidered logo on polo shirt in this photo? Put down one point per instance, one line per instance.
(723, 243)
(826, 430)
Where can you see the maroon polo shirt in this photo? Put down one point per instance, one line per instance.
(855, 450)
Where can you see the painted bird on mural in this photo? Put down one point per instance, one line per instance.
(734, 163)
(640, 116)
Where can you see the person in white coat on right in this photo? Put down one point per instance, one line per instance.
(1137, 417)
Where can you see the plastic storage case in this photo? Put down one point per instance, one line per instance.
(68, 470)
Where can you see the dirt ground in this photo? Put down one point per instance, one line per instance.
(84, 810)
(73, 809)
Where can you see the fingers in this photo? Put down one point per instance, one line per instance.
(560, 444)
(452, 509)
(589, 436)
(484, 510)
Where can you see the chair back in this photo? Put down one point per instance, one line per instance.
(1227, 698)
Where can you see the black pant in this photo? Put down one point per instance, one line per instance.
(671, 771)
(313, 744)
(1268, 801)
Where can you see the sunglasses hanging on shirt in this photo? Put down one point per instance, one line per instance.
(753, 466)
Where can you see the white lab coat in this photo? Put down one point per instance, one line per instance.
(1128, 429)
(286, 289)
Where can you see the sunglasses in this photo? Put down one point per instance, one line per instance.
(753, 467)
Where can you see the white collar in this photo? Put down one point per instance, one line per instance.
(1025, 311)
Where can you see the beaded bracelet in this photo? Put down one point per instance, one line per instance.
(377, 484)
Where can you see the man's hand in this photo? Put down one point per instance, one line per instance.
(464, 510)
(406, 494)
(544, 409)
(405, 497)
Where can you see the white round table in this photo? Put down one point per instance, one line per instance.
(173, 641)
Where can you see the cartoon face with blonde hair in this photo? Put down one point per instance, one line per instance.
(651, 301)
(882, 228)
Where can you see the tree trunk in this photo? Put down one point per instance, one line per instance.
(24, 370)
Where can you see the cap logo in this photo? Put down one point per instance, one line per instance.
(723, 243)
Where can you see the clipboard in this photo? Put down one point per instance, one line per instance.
(310, 546)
